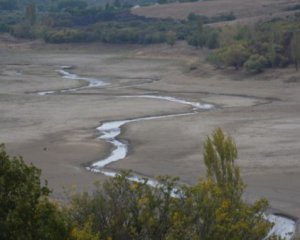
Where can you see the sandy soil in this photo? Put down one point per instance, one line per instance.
(58, 132)
(243, 10)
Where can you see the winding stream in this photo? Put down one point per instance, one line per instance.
(91, 82)
(111, 130)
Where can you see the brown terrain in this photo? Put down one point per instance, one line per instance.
(58, 132)
(245, 11)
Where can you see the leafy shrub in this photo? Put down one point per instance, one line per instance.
(68, 35)
(256, 63)
(25, 211)
(234, 55)
(171, 38)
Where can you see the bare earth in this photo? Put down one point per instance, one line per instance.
(58, 133)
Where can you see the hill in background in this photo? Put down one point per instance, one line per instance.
(242, 10)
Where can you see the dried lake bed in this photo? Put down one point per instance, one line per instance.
(57, 132)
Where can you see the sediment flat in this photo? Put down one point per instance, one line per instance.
(58, 132)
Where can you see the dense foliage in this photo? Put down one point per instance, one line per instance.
(253, 47)
(123, 209)
(25, 210)
(265, 45)
(64, 21)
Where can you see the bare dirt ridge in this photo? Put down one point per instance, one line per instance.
(58, 132)
(243, 10)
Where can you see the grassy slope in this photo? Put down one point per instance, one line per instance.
(243, 10)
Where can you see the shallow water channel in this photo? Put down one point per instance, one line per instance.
(111, 130)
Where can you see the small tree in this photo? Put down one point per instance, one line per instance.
(226, 215)
(122, 209)
(256, 63)
(171, 38)
(25, 211)
(217, 58)
(235, 55)
(219, 157)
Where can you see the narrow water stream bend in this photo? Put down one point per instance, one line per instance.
(109, 132)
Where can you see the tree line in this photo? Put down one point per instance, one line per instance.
(76, 21)
(121, 209)
(271, 44)
(252, 47)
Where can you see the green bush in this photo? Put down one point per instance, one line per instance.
(234, 55)
(25, 211)
(69, 35)
(256, 63)
(171, 38)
